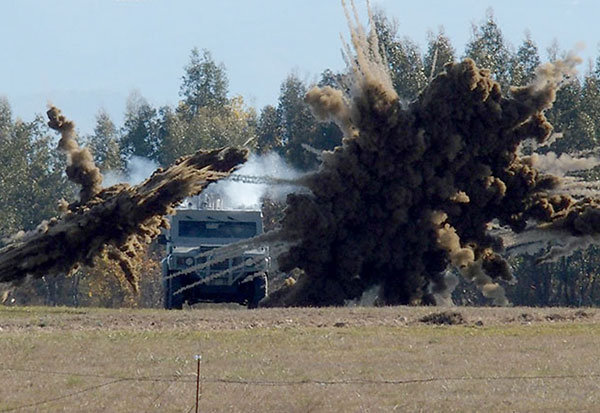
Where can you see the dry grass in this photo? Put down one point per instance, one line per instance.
(366, 359)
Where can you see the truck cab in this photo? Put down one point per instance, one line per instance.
(197, 268)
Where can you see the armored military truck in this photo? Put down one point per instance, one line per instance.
(197, 268)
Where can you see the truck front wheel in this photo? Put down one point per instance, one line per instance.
(258, 290)
(173, 301)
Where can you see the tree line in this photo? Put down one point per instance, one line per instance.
(207, 116)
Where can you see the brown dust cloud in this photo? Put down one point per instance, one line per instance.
(415, 191)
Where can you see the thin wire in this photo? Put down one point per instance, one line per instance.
(192, 379)
(151, 405)
(174, 379)
(64, 396)
(394, 382)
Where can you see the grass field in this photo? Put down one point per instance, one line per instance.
(299, 360)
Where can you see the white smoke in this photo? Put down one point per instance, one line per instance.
(443, 298)
(538, 238)
(555, 74)
(565, 163)
(578, 189)
(138, 169)
(244, 195)
(368, 298)
(567, 246)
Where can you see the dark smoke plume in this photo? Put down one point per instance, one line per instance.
(80, 163)
(413, 191)
(114, 221)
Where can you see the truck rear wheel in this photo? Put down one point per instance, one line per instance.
(173, 301)
(258, 290)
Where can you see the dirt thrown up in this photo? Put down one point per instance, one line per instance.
(114, 221)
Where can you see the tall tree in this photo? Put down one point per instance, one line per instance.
(268, 132)
(525, 63)
(297, 123)
(5, 116)
(204, 84)
(328, 135)
(403, 57)
(232, 125)
(439, 52)
(566, 117)
(587, 123)
(172, 136)
(31, 174)
(591, 93)
(138, 134)
(205, 117)
(488, 50)
(104, 143)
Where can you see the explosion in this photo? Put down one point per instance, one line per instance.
(114, 221)
(413, 191)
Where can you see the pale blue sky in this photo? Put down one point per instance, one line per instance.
(86, 54)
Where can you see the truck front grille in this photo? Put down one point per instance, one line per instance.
(220, 266)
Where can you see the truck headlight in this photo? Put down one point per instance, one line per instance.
(189, 261)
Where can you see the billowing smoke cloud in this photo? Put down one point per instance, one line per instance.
(563, 164)
(80, 163)
(138, 169)
(114, 221)
(413, 190)
(253, 181)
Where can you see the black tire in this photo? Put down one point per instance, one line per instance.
(258, 290)
(173, 301)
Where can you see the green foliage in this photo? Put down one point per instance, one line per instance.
(403, 58)
(204, 84)
(439, 52)
(104, 143)
(172, 131)
(231, 125)
(205, 117)
(575, 115)
(589, 122)
(572, 281)
(298, 127)
(527, 59)
(268, 132)
(31, 177)
(138, 134)
(31, 182)
(488, 50)
(297, 123)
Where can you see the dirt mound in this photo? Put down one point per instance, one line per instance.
(444, 318)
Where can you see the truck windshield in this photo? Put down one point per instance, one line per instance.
(201, 229)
